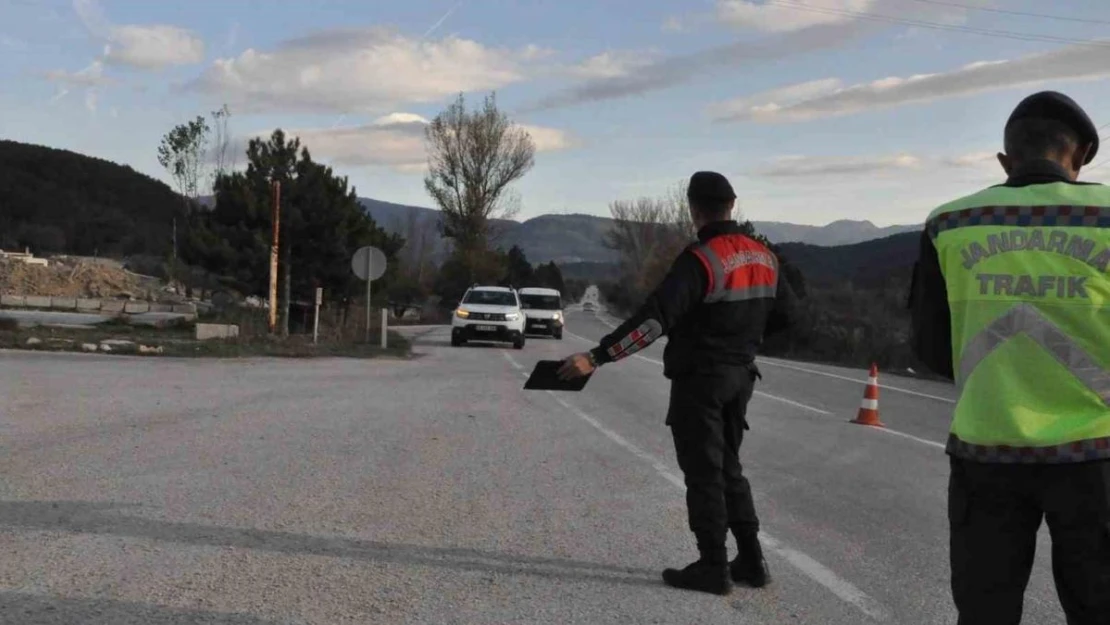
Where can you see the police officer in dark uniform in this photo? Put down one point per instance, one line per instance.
(720, 296)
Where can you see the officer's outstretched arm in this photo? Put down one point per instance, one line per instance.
(681, 289)
(931, 332)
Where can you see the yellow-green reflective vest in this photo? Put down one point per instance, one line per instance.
(1026, 274)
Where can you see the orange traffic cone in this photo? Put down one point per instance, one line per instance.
(869, 406)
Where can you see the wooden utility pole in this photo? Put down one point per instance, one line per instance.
(274, 256)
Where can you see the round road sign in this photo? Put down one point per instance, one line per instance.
(368, 261)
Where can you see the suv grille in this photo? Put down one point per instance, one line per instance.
(487, 316)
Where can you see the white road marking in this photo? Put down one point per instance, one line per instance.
(803, 406)
(778, 363)
(923, 441)
(760, 393)
(813, 569)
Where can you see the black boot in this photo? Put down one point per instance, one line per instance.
(749, 567)
(708, 574)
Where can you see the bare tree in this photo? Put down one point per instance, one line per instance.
(472, 158)
(648, 233)
(223, 158)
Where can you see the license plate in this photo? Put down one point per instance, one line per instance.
(486, 328)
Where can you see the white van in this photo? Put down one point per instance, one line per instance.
(543, 311)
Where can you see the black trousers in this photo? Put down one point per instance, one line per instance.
(994, 513)
(707, 416)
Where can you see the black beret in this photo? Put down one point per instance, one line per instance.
(709, 185)
(1057, 106)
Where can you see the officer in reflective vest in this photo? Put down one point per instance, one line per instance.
(720, 296)
(1011, 300)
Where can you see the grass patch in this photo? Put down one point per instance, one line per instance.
(292, 347)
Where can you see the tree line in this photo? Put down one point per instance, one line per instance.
(474, 156)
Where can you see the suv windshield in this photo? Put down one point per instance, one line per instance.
(490, 298)
(541, 302)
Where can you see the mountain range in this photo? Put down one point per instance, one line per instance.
(577, 238)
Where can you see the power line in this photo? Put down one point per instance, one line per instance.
(1004, 34)
(1011, 12)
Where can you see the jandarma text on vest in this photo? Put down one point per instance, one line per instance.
(739, 259)
(1037, 239)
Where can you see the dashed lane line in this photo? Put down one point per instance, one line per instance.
(811, 568)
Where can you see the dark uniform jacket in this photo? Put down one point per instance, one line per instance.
(931, 336)
(701, 335)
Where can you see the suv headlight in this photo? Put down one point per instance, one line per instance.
(462, 314)
(512, 316)
(557, 315)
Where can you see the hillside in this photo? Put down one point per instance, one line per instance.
(59, 201)
(577, 238)
(866, 265)
(843, 232)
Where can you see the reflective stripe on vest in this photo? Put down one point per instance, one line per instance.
(1025, 318)
(739, 267)
(1026, 276)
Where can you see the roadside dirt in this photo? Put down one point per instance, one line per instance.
(77, 277)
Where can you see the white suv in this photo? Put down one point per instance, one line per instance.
(543, 311)
(488, 313)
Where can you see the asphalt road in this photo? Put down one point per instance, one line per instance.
(436, 490)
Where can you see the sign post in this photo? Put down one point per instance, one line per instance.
(316, 321)
(385, 320)
(275, 219)
(368, 263)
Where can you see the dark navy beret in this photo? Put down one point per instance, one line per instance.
(709, 185)
(1057, 106)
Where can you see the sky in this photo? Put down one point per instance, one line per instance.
(816, 110)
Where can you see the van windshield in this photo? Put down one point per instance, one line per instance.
(541, 302)
(490, 298)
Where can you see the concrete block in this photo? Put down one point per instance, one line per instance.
(88, 305)
(63, 303)
(89, 347)
(185, 309)
(161, 308)
(36, 301)
(133, 308)
(112, 306)
(15, 301)
(207, 331)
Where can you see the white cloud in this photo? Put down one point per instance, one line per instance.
(91, 76)
(153, 47)
(975, 163)
(362, 70)
(788, 17)
(1079, 62)
(396, 141)
(143, 46)
(772, 101)
(611, 64)
(805, 166)
(549, 139)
